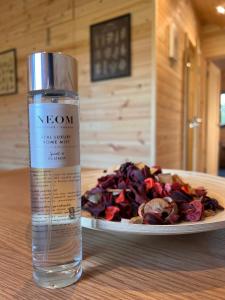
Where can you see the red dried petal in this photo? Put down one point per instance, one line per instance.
(172, 219)
(108, 181)
(120, 198)
(111, 212)
(167, 187)
(180, 197)
(140, 184)
(186, 188)
(194, 212)
(176, 186)
(158, 189)
(149, 183)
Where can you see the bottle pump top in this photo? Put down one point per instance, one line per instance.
(52, 71)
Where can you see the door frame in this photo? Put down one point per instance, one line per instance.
(212, 147)
(191, 106)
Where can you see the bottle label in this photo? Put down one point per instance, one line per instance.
(54, 135)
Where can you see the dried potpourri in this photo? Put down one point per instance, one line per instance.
(145, 195)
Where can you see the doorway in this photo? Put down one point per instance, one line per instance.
(204, 134)
(222, 131)
(192, 118)
(217, 116)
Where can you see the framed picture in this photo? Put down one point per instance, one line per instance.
(8, 73)
(111, 48)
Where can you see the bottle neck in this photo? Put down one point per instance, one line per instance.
(52, 93)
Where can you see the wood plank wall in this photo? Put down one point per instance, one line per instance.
(117, 116)
(170, 79)
(213, 48)
(213, 41)
(222, 80)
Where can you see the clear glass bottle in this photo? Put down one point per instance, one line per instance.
(53, 109)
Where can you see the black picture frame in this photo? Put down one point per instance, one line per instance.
(110, 43)
(8, 72)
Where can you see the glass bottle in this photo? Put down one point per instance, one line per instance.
(53, 113)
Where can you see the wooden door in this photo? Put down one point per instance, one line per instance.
(192, 120)
(212, 128)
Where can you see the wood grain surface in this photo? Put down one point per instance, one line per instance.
(117, 116)
(115, 266)
(212, 41)
(170, 78)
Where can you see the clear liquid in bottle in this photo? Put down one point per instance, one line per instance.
(56, 232)
(55, 177)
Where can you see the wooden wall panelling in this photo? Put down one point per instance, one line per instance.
(117, 116)
(213, 130)
(223, 80)
(213, 47)
(34, 15)
(213, 41)
(23, 25)
(203, 114)
(170, 79)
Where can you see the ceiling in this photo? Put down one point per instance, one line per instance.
(206, 11)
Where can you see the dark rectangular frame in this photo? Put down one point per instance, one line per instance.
(15, 74)
(92, 50)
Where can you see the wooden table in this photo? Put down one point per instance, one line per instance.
(115, 266)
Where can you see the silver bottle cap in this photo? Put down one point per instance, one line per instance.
(52, 71)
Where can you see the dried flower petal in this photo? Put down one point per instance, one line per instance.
(180, 196)
(177, 179)
(136, 220)
(158, 190)
(129, 193)
(211, 203)
(172, 219)
(112, 213)
(187, 189)
(153, 219)
(168, 188)
(86, 214)
(149, 183)
(200, 191)
(155, 170)
(157, 205)
(165, 178)
(108, 181)
(141, 210)
(193, 211)
(209, 213)
(94, 198)
(120, 198)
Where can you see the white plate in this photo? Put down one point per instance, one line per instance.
(216, 189)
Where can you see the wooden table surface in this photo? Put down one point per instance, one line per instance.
(115, 266)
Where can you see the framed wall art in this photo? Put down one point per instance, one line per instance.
(111, 48)
(8, 72)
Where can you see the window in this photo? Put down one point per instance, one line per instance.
(222, 109)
